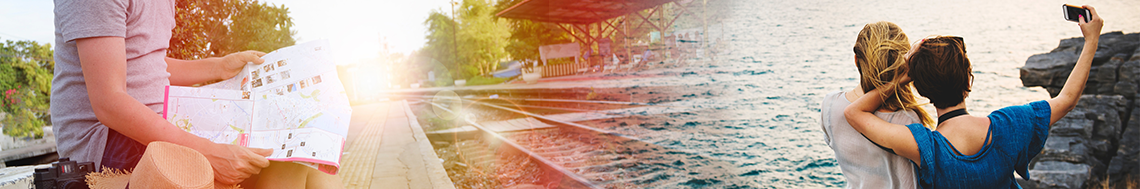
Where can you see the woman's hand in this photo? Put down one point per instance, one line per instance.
(231, 64)
(1070, 94)
(914, 48)
(233, 164)
(1091, 28)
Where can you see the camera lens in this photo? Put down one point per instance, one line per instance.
(72, 184)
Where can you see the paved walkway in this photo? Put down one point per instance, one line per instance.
(387, 148)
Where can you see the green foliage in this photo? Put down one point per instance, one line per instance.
(482, 36)
(209, 28)
(443, 79)
(440, 46)
(260, 27)
(475, 38)
(480, 80)
(197, 21)
(25, 87)
(526, 36)
(442, 75)
(468, 71)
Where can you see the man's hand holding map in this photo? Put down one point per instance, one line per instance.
(294, 103)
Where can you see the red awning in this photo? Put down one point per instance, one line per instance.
(576, 11)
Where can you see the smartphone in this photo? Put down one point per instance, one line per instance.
(1072, 12)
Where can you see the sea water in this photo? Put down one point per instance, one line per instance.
(777, 60)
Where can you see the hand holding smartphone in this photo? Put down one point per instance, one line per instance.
(1073, 12)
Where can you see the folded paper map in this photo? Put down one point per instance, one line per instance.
(293, 103)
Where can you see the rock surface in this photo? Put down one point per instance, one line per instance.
(1100, 138)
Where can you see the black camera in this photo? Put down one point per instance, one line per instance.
(65, 174)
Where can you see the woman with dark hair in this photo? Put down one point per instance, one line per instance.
(879, 55)
(969, 151)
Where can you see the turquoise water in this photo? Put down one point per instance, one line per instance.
(779, 58)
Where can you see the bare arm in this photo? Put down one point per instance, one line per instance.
(1075, 84)
(190, 72)
(104, 64)
(860, 114)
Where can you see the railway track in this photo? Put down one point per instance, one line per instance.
(573, 155)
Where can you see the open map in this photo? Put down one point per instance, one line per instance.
(294, 103)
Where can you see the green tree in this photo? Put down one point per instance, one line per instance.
(440, 46)
(482, 36)
(470, 45)
(526, 36)
(25, 87)
(210, 28)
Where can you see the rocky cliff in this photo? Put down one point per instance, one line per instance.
(1100, 138)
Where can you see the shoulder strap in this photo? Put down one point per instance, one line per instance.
(892, 151)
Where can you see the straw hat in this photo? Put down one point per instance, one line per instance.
(163, 165)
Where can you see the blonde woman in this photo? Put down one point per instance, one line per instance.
(969, 151)
(879, 51)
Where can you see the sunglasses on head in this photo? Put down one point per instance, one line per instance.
(955, 38)
(916, 44)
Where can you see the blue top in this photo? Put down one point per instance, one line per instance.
(1016, 135)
